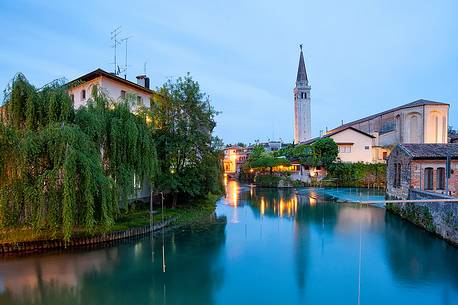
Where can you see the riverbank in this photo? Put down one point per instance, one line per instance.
(131, 224)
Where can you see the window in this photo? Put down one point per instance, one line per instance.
(305, 94)
(440, 176)
(397, 175)
(384, 155)
(388, 125)
(366, 147)
(83, 94)
(428, 179)
(72, 96)
(344, 148)
(123, 94)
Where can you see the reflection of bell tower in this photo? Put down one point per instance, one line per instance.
(302, 112)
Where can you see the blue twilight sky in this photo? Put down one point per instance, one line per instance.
(362, 56)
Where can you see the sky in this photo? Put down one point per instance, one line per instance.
(362, 56)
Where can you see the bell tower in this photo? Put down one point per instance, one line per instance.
(302, 100)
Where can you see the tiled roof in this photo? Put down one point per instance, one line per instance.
(99, 72)
(431, 151)
(336, 131)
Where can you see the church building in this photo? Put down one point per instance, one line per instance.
(302, 112)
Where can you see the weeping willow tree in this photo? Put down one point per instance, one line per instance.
(61, 168)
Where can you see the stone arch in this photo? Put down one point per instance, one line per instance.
(413, 128)
(436, 122)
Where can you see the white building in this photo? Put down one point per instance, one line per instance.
(115, 87)
(302, 112)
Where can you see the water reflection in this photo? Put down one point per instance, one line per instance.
(325, 241)
(276, 247)
(123, 274)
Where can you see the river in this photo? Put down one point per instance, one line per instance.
(262, 246)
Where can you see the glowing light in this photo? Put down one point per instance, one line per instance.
(149, 120)
(233, 195)
(263, 205)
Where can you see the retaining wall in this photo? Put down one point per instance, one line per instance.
(46, 245)
(440, 218)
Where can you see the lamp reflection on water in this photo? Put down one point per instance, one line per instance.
(312, 198)
(232, 196)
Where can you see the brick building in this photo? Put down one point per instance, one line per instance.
(422, 167)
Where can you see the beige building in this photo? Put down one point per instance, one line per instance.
(354, 145)
(234, 157)
(113, 86)
(418, 122)
(421, 121)
(117, 89)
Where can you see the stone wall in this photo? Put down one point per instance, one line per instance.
(440, 218)
(402, 192)
(78, 242)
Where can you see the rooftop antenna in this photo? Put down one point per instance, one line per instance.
(125, 62)
(116, 42)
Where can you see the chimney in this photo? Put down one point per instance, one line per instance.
(143, 81)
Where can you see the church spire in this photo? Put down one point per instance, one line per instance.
(301, 72)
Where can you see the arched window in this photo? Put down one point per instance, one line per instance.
(305, 94)
(413, 129)
(397, 175)
(428, 179)
(440, 177)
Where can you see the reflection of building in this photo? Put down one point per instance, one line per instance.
(234, 158)
(59, 271)
(422, 167)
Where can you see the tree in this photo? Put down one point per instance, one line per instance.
(189, 157)
(325, 152)
(60, 168)
(261, 159)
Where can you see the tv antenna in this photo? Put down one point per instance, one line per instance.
(116, 42)
(125, 63)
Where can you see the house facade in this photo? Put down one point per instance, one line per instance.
(422, 167)
(115, 87)
(355, 146)
(234, 157)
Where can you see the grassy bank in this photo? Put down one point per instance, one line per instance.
(183, 215)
